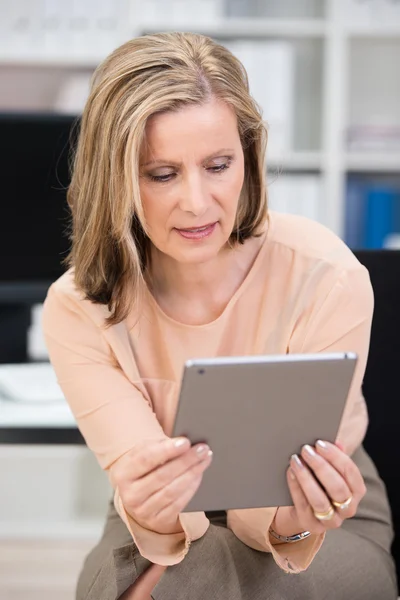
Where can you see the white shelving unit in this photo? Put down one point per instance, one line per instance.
(257, 28)
(331, 34)
(337, 32)
(373, 162)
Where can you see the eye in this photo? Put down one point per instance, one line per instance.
(162, 178)
(219, 168)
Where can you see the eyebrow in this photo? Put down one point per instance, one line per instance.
(172, 163)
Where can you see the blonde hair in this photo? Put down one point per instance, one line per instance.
(145, 76)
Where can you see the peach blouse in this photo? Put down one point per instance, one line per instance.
(305, 292)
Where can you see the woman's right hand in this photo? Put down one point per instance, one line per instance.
(157, 479)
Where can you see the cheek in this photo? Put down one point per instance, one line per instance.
(234, 187)
(151, 204)
(157, 210)
(239, 182)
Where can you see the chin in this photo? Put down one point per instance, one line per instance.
(197, 255)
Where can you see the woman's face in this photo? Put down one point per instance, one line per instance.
(191, 176)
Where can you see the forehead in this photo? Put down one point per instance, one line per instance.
(196, 128)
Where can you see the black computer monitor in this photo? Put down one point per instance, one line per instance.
(34, 220)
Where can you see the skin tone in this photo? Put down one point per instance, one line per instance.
(189, 180)
(191, 176)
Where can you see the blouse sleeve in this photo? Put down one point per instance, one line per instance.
(339, 320)
(112, 412)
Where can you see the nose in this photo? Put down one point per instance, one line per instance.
(195, 198)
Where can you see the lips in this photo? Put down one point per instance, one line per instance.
(196, 229)
(197, 233)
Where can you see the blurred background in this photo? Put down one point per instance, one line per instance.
(326, 74)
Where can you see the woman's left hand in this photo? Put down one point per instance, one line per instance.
(320, 480)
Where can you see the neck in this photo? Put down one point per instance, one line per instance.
(197, 282)
(198, 294)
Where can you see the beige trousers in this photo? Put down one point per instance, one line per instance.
(354, 562)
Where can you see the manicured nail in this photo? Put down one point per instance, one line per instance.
(201, 449)
(179, 442)
(322, 445)
(309, 450)
(210, 453)
(297, 461)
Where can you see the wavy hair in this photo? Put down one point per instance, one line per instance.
(145, 76)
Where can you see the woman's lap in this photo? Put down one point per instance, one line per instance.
(353, 562)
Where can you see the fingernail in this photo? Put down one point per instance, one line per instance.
(179, 442)
(309, 450)
(201, 449)
(210, 453)
(322, 445)
(297, 461)
(292, 475)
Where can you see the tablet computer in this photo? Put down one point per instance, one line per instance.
(255, 412)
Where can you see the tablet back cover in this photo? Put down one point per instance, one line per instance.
(254, 417)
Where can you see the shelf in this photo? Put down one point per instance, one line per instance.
(43, 60)
(298, 161)
(229, 28)
(373, 31)
(253, 28)
(373, 162)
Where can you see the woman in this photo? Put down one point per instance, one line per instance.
(174, 255)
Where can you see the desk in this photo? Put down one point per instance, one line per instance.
(47, 423)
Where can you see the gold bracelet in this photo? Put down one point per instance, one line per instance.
(289, 539)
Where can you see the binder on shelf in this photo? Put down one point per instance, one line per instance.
(372, 214)
(206, 12)
(240, 9)
(354, 213)
(22, 36)
(310, 198)
(180, 14)
(272, 9)
(371, 12)
(80, 28)
(380, 215)
(358, 11)
(54, 28)
(296, 194)
(145, 14)
(270, 69)
(108, 24)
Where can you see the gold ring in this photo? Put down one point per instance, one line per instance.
(343, 505)
(324, 516)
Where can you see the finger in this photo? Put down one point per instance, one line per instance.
(158, 479)
(174, 494)
(151, 455)
(176, 507)
(300, 502)
(302, 506)
(332, 481)
(317, 498)
(346, 467)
